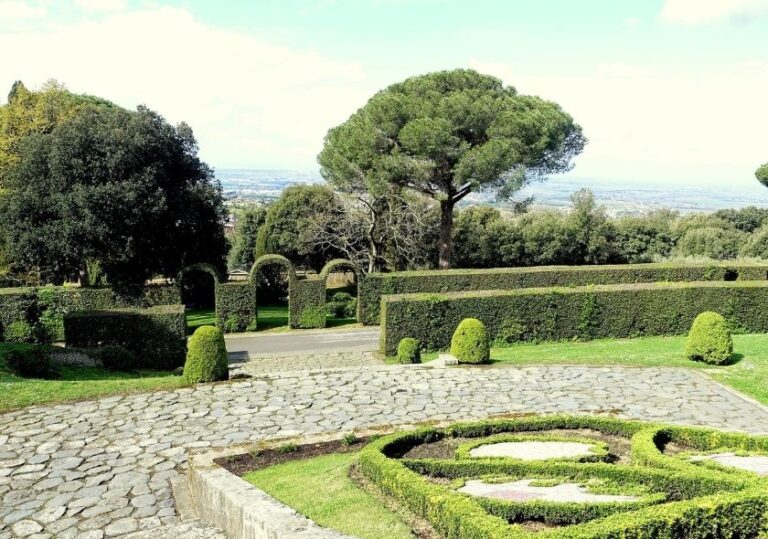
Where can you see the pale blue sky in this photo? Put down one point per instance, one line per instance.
(666, 90)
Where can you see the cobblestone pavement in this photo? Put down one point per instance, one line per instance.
(261, 365)
(103, 468)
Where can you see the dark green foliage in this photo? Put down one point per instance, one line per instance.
(307, 304)
(288, 219)
(374, 286)
(207, 356)
(711, 242)
(20, 331)
(43, 308)
(408, 351)
(156, 335)
(684, 500)
(591, 312)
(341, 305)
(762, 174)
(236, 307)
(709, 340)
(247, 225)
(470, 343)
(447, 134)
(32, 362)
(122, 189)
(746, 219)
(116, 358)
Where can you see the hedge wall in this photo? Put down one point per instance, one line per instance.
(307, 303)
(156, 335)
(236, 307)
(551, 314)
(374, 286)
(685, 499)
(47, 305)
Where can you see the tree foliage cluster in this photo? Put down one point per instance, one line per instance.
(89, 187)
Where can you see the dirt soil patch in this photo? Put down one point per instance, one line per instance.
(618, 447)
(264, 458)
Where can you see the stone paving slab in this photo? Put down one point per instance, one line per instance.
(104, 468)
(259, 365)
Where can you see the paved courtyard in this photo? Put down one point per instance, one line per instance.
(104, 468)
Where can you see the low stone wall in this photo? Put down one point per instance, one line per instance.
(244, 512)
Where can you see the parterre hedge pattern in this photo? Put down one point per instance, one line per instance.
(374, 286)
(156, 335)
(47, 305)
(684, 500)
(552, 314)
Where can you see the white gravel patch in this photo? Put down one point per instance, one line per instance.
(522, 490)
(532, 450)
(754, 463)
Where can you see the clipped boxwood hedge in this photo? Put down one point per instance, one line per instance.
(552, 314)
(156, 335)
(710, 339)
(236, 307)
(46, 305)
(376, 285)
(685, 500)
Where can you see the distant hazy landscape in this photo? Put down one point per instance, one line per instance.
(618, 198)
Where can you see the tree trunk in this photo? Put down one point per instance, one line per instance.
(446, 233)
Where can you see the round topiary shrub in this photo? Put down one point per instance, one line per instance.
(20, 331)
(409, 351)
(206, 356)
(709, 339)
(116, 358)
(470, 342)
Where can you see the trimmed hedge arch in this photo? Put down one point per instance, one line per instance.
(343, 263)
(295, 305)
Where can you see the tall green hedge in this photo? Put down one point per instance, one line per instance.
(236, 307)
(156, 335)
(307, 303)
(47, 305)
(374, 286)
(550, 314)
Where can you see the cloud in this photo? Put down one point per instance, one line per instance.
(646, 125)
(102, 5)
(18, 10)
(249, 102)
(692, 12)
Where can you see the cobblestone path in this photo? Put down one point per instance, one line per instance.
(104, 467)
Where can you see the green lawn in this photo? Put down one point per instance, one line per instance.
(76, 383)
(748, 373)
(320, 488)
(200, 317)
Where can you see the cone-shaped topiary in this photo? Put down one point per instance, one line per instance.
(206, 356)
(709, 339)
(470, 342)
(409, 351)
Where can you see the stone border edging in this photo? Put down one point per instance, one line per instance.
(244, 512)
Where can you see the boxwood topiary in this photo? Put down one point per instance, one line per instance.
(710, 339)
(470, 342)
(206, 356)
(409, 351)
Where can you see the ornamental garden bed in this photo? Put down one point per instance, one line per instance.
(547, 477)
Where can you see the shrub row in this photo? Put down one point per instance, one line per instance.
(551, 314)
(45, 307)
(156, 335)
(711, 504)
(236, 307)
(376, 285)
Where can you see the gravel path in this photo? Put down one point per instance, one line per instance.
(103, 468)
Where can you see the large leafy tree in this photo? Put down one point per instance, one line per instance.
(123, 189)
(762, 174)
(29, 112)
(289, 217)
(446, 135)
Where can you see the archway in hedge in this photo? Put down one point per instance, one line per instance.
(198, 284)
(341, 294)
(273, 278)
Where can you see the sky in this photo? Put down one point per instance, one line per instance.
(667, 91)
